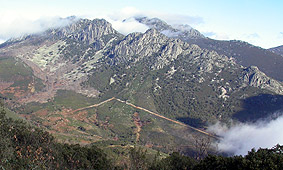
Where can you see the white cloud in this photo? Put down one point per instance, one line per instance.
(253, 36)
(169, 33)
(15, 27)
(125, 13)
(173, 19)
(176, 19)
(124, 22)
(25, 21)
(280, 36)
(17, 23)
(216, 35)
(14, 24)
(127, 26)
(241, 138)
(209, 34)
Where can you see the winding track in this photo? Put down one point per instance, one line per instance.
(148, 111)
(95, 105)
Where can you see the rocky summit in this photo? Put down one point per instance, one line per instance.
(85, 82)
(176, 31)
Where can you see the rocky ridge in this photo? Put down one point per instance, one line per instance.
(252, 76)
(153, 44)
(177, 31)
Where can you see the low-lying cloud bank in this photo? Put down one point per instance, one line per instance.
(19, 27)
(16, 25)
(241, 138)
(124, 20)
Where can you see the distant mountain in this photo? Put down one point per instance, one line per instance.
(66, 79)
(244, 53)
(278, 50)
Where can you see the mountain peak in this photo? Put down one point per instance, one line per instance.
(154, 23)
(176, 31)
(87, 31)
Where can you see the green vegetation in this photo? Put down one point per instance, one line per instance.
(23, 146)
(181, 95)
(27, 147)
(10, 69)
(63, 99)
(13, 70)
(71, 99)
(245, 54)
(13, 115)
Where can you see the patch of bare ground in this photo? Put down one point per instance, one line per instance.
(16, 91)
(138, 123)
(60, 123)
(82, 116)
(4, 85)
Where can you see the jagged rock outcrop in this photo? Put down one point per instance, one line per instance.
(137, 46)
(97, 32)
(155, 23)
(255, 78)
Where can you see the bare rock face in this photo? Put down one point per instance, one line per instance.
(151, 44)
(87, 31)
(255, 78)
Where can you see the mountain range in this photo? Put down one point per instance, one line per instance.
(86, 83)
(269, 61)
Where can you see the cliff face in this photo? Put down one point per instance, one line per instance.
(252, 76)
(86, 31)
(152, 44)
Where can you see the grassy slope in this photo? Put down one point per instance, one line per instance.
(15, 71)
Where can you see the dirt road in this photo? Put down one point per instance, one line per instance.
(150, 112)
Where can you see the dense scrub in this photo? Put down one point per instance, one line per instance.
(23, 146)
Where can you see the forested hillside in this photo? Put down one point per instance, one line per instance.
(27, 147)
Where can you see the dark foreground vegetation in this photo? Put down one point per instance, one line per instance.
(23, 146)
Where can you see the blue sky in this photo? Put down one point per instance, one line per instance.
(259, 22)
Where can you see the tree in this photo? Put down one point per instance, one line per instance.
(173, 162)
(138, 159)
(201, 145)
